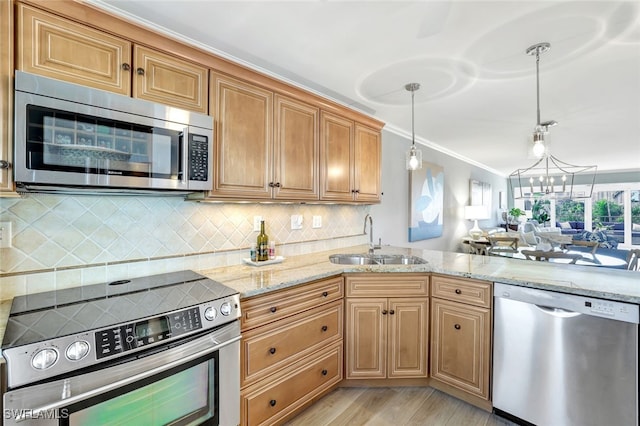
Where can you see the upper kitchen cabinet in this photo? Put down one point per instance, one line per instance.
(6, 98)
(63, 49)
(349, 160)
(168, 80)
(296, 150)
(266, 144)
(243, 138)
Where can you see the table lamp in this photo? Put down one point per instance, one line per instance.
(474, 213)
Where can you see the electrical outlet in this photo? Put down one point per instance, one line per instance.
(296, 221)
(256, 223)
(5, 234)
(316, 222)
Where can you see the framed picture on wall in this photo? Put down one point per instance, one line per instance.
(480, 194)
(426, 200)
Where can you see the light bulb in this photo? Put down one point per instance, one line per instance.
(413, 162)
(538, 149)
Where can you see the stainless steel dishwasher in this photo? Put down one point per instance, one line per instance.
(561, 359)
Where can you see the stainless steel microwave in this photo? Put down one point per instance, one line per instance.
(69, 136)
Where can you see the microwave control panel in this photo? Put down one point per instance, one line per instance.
(198, 157)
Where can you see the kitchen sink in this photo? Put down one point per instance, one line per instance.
(375, 259)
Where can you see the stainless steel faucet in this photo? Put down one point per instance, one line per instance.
(372, 246)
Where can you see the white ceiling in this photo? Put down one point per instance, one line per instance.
(478, 94)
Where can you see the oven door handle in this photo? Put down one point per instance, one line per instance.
(34, 413)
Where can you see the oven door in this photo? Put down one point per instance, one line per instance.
(195, 382)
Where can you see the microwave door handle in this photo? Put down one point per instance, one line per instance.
(185, 159)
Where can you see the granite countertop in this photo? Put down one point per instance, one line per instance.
(593, 281)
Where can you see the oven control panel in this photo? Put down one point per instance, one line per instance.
(42, 360)
(143, 333)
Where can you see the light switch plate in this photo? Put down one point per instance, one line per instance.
(256, 223)
(5, 234)
(296, 221)
(316, 222)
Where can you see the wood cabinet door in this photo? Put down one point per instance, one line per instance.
(296, 150)
(6, 97)
(366, 339)
(461, 346)
(408, 338)
(168, 80)
(243, 136)
(336, 158)
(367, 154)
(62, 49)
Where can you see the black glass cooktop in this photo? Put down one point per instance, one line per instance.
(42, 316)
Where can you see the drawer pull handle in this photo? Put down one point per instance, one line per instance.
(457, 326)
(392, 312)
(274, 309)
(272, 403)
(325, 293)
(324, 372)
(458, 291)
(325, 328)
(384, 312)
(272, 351)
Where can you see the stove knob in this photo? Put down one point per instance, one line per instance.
(210, 313)
(225, 308)
(77, 350)
(44, 358)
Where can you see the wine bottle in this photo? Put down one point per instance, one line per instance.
(263, 244)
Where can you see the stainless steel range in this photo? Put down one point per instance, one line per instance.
(156, 350)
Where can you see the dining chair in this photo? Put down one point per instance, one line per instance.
(633, 260)
(547, 255)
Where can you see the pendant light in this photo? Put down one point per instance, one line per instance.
(549, 177)
(414, 155)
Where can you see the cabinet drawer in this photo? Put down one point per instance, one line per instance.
(274, 306)
(269, 401)
(462, 290)
(265, 349)
(384, 285)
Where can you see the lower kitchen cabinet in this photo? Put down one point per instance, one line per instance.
(461, 337)
(274, 400)
(291, 350)
(386, 337)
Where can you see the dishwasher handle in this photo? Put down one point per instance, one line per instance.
(558, 312)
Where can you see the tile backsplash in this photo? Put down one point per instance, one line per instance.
(67, 233)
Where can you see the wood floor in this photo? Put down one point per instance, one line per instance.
(393, 406)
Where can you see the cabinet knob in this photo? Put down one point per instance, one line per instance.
(325, 372)
(272, 351)
(4, 164)
(457, 326)
(272, 403)
(325, 293)
(325, 328)
(392, 312)
(384, 312)
(126, 66)
(140, 71)
(273, 309)
(277, 185)
(357, 191)
(458, 291)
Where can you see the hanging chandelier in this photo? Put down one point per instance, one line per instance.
(549, 177)
(414, 155)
